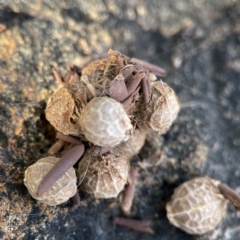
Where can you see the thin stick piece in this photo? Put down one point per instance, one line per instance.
(127, 71)
(153, 68)
(127, 102)
(56, 147)
(67, 138)
(128, 194)
(76, 200)
(75, 78)
(58, 76)
(58, 170)
(68, 77)
(146, 89)
(133, 82)
(230, 194)
(62, 153)
(138, 225)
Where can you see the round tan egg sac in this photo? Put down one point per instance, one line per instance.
(132, 146)
(104, 122)
(104, 176)
(159, 114)
(60, 192)
(63, 112)
(197, 206)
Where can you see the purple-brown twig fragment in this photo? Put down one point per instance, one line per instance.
(133, 82)
(58, 76)
(230, 194)
(127, 71)
(69, 139)
(118, 89)
(138, 225)
(127, 102)
(62, 153)
(56, 147)
(146, 89)
(153, 68)
(128, 194)
(75, 78)
(62, 166)
(97, 151)
(76, 200)
(68, 77)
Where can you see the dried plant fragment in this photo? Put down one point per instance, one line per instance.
(60, 192)
(128, 194)
(230, 194)
(60, 168)
(138, 225)
(103, 176)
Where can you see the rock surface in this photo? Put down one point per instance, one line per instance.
(197, 42)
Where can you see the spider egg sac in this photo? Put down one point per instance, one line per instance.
(62, 112)
(159, 114)
(60, 192)
(197, 206)
(103, 176)
(105, 123)
(132, 146)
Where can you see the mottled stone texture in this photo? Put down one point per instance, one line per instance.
(197, 42)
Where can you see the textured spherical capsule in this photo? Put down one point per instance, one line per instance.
(60, 192)
(105, 123)
(104, 176)
(159, 114)
(132, 146)
(63, 113)
(197, 206)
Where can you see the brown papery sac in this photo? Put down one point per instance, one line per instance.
(103, 176)
(60, 192)
(197, 206)
(63, 112)
(159, 114)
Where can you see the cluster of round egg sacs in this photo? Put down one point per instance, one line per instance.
(85, 110)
